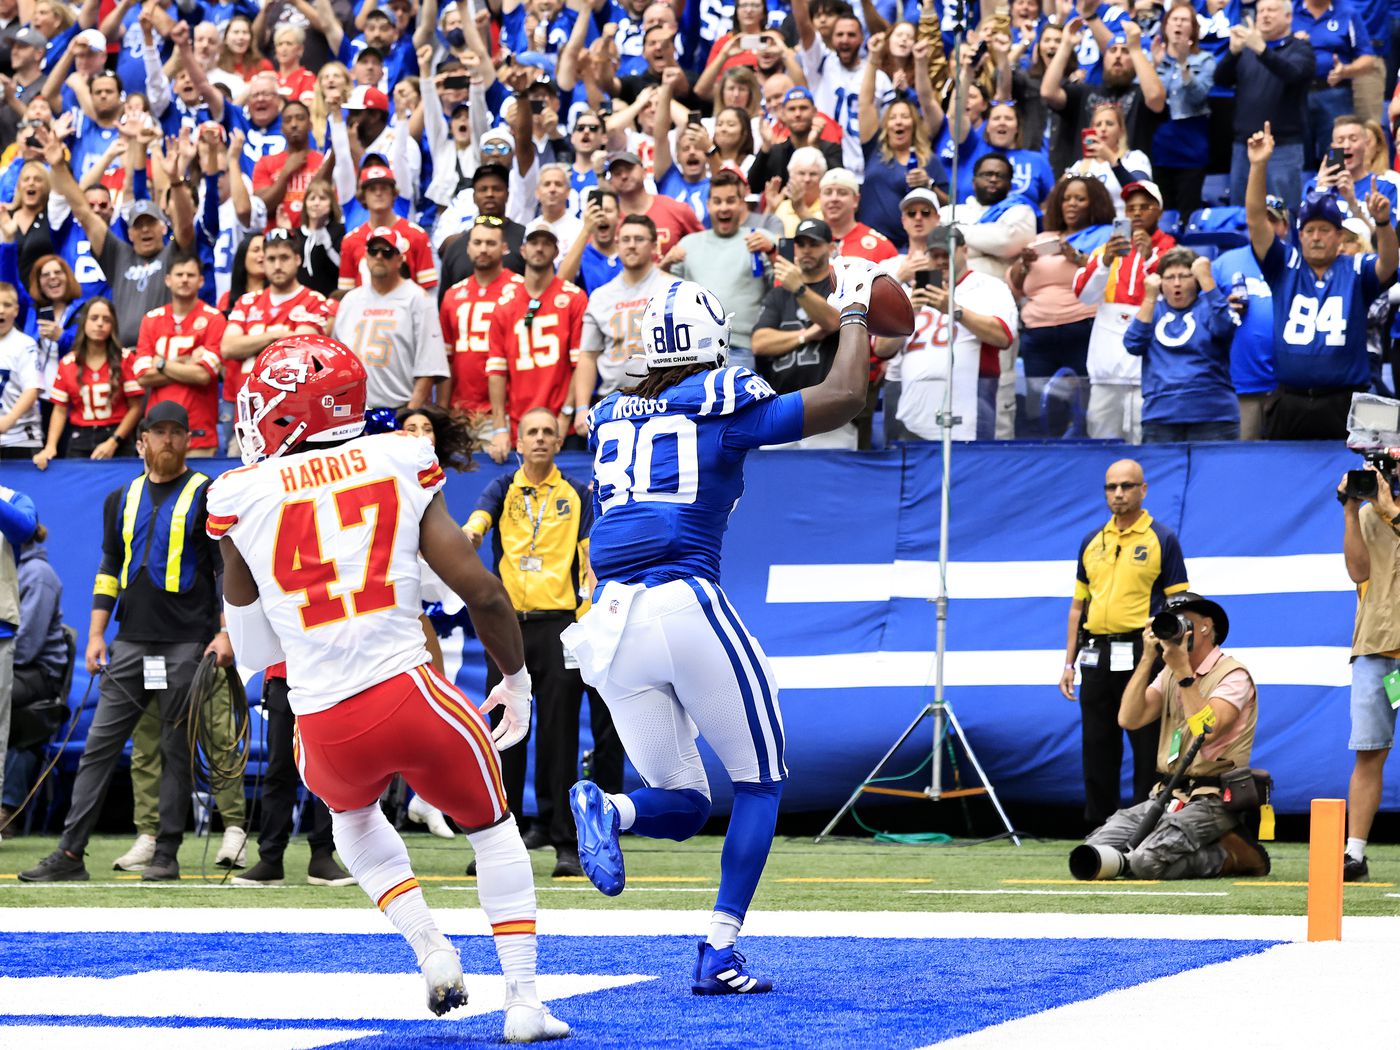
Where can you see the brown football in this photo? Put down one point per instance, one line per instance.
(891, 313)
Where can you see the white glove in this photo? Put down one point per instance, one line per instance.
(512, 694)
(853, 280)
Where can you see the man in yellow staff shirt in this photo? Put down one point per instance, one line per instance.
(542, 519)
(1127, 570)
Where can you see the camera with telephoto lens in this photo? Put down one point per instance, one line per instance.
(1373, 429)
(1171, 626)
(1089, 863)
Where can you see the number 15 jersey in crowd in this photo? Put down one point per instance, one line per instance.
(668, 472)
(331, 537)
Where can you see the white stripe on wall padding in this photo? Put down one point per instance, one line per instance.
(1284, 574)
(1312, 665)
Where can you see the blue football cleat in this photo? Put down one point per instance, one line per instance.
(720, 971)
(599, 853)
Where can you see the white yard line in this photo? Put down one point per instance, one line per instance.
(565, 922)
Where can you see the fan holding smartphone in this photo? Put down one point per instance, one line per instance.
(1106, 156)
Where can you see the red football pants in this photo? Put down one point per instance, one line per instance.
(418, 724)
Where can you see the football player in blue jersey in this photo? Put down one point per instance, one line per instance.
(662, 643)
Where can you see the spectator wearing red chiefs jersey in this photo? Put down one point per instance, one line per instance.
(280, 179)
(95, 391)
(378, 191)
(840, 196)
(258, 319)
(177, 353)
(672, 218)
(466, 329)
(535, 333)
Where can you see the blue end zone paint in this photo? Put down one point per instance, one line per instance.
(836, 993)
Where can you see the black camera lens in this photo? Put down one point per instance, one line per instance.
(1170, 626)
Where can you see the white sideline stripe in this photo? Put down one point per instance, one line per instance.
(273, 996)
(586, 922)
(1313, 665)
(85, 1037)
(1074, 893)
(1292, 995)
(881, 581)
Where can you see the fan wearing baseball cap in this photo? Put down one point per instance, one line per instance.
(1320, 302)
(390, 324)
(367, 114)
(378, 191)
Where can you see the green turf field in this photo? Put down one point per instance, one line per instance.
(840, 874)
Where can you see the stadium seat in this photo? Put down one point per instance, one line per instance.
(1220, 228)
(1170, 223)
(1215, 191)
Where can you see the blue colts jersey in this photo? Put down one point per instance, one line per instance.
(668, 472)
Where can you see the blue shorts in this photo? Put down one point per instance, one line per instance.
(1372, 717)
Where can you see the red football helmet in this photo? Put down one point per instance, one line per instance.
(302, 388)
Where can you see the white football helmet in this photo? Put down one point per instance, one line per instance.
(685, 325)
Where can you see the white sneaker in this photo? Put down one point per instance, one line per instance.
(421, 813)
(142, 852)
(442, 969)
(233, 851)
(528, 1021)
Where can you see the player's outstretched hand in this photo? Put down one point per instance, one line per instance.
(853, 280)
(514, 701)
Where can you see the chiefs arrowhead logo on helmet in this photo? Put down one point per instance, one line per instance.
(305, 388)
(284, 375)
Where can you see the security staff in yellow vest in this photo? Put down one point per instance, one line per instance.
(159, 572)
(1126, 571)
(542, 519)
(1198, 837)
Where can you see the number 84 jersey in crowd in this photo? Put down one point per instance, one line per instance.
(331, 536)
(668, 471)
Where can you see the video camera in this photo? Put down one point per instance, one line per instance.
(1373, 430)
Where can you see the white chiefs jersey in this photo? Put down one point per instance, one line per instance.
(925, 366)
(331, 537)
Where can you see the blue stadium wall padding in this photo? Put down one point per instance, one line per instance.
(830, 560)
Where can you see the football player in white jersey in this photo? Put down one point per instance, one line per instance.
(320, 536)
(662, 643)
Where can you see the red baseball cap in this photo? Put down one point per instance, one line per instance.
(376, 172)
(389, 236)
(368, 98)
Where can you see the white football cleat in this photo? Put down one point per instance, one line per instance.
(533, 1023)
(233, 851)
(142, 852)
(421, 813)
(442, 969)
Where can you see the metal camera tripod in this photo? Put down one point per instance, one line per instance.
(939, 709)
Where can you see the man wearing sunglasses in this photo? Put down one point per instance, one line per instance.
(1127, 570)
(587, 140)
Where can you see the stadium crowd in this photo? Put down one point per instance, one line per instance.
(479, 198)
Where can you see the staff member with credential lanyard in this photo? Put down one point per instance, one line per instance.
(1127, 570)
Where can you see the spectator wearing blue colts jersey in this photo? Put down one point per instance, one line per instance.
(96, 127)
(1320, 304)
(686, 176)
(1252, 308)
(1341, 52)
(662, 643)
(1182, 333)
(1031, 176)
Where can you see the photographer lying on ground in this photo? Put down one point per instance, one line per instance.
(1200, 835)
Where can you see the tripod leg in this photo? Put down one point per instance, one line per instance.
(874, 773)
(972, 757)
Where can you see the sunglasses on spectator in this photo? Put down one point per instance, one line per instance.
(919, 213)
(278, 234)
(495, 149)
(588, 127)
(1274, 202)
(488, 220)
(1004, 102)
(382, 252)
(1126, 486)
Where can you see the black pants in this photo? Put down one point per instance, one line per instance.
(558, 701)
(1181, 189)
(279, 788)
(1100, 691)
(1302, 417)
(121, 701)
